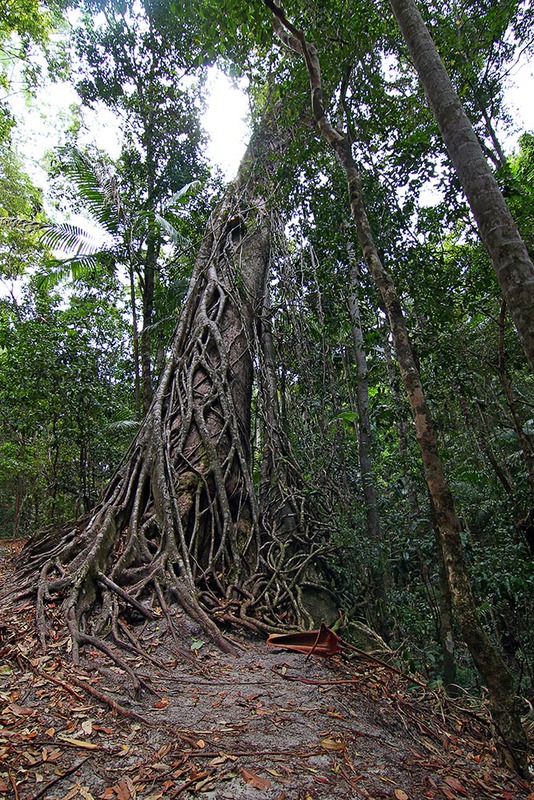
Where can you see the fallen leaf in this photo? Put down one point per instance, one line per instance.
(332, 744)
(87, 727)
(78, 742)
(455, 784)
(215, 762)
(200, 744)
(161, 703)
(123, 789)
(255, 780)
(400, 795)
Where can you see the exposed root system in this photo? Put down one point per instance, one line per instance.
(196, 515)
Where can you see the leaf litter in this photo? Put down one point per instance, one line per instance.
(269, 725)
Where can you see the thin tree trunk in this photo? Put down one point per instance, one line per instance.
(148, 283)
(135, 340)
(484, 446)
(524, 439)
(379, 571)
(504, 704)
(498, 231)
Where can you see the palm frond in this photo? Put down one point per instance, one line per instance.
(64, 236)
(181, 197)
(124, 425)
(168, 224)
(77, 268)
(98, 191)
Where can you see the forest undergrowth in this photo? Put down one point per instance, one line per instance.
(266, 724)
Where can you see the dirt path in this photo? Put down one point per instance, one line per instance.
(268, 725)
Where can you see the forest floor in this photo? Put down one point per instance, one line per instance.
(268, 725)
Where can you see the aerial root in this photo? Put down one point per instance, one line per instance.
(109, 584)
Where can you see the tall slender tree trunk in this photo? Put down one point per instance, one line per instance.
(490, 663)
(379, 571)
(135, 340)
(482, 440)
(498, 231)
(524, 439)
(148, 286)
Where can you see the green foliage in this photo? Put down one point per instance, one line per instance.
(65, 374)
(23, 24)
(20, 202)
(519, 191)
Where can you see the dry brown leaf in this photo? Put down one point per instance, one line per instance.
(255, 780)
(455, 784)
(101, 729)
(216, 762)
(123, 790)
(332, 744)
(163, 702)
(400, 795)
(78, 743)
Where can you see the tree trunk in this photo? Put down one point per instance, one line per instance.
(148, 285)
(135, 340)
(180, 516)
(379, 570)
(524, 439)
(498, 231)
(491, 665)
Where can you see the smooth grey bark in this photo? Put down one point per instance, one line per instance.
(498, 231)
